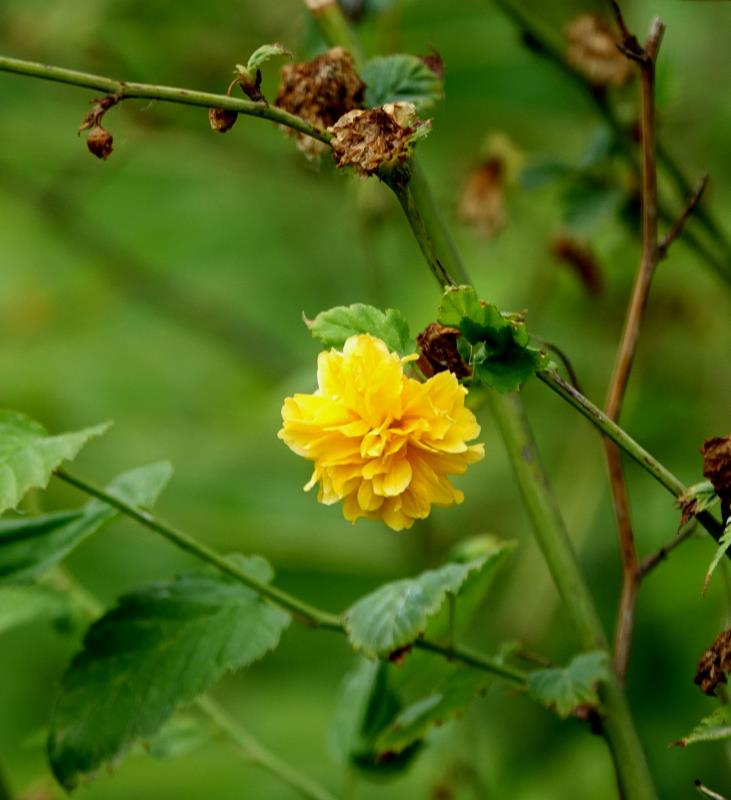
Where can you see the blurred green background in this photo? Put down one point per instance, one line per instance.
(164, 290)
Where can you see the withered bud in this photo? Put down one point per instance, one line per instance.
(434, 61)
(439, 352)
(374, 137)
(222, 119)
(320, 92)
(717, 466)
(592, 51)
(715, 663)
(398, 656)
(99, 141)
(481, 203)
(580, 259)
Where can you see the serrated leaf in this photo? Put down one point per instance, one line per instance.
(336, 325)
(30, 546)
(447, 701)
(20, 605)
(500, 355)
(29, 456)
(723, 545)
(396, 614)
(264, 53)
(714, 728)
(564, 689)
(156, 651)
(401, 78)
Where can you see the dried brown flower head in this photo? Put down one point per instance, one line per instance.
(580, 258)
(482, 202)
(717, 465)
(320, 92)
(438, 345)
(374, 137)
(714, 664)
(99, 141)
(222, 119)
(592, 51)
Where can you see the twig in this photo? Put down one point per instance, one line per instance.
(706, 792)
(679, 224)
(649, 564)
(170, 94)
(645, 57)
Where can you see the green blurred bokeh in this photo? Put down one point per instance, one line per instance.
(164, 289)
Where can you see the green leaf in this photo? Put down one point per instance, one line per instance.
(500, 356)
(396, 614)
(587, 203)
(563, 689)
(30, 546)
(714, 728)
(336, 325)
(723, 545)
(401, 78)
(29, 456)
(178, 737)
(448, 700)
(20, 605)
(156, 651)
(264, 53)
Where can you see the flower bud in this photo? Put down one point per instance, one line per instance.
(99, 141)
(222, 119)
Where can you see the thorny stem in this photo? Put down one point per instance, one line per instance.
(630, 335)
(171, 94)
(540, 44)
(302, 611)
(257, 754)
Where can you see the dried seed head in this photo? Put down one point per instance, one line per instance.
(222, 119)
(714, 664)
(438, 345)
(592, 51)
(99, 141)
(482, 200)
(375, 137)
(579, 258)
(320, 92)
(717, 465)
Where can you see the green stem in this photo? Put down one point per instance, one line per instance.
(171, 94)
(334, 27)
(548, 525)
(303, 612)
(412, 190)
(635, 451)
(257, 754)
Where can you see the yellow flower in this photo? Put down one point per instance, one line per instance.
(382, 442)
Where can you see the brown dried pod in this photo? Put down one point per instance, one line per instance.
(717, 465)
(222, 119)
(482, 202)
(580, 258)
(99, 141)
(375, 137)
(439, 352)
(320, 92)
(715, 663)
(592, 51)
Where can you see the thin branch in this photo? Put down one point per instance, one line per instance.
(302, 611)
(645, 57)
(652, 561)
(679, 224)
(126, 91)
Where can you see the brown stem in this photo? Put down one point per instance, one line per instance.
(679, 224)
(649, 564)
(645, 57)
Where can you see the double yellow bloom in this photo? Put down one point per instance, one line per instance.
(382, 442)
